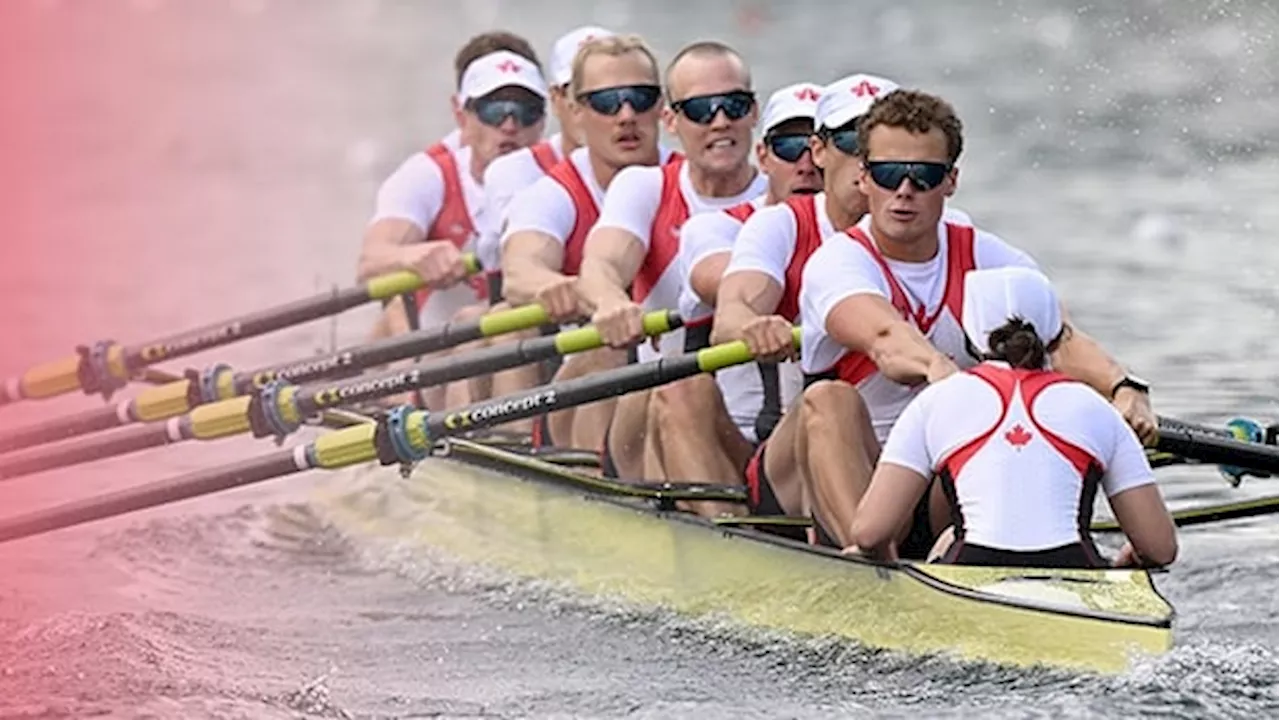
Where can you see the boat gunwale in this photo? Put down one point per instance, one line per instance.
(531, 468)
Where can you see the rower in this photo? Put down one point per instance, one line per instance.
(629, 260)
(503, 178)
(1019, 450)
(880, 307)
(428, 208)
(515, 171)
(714, 446)
(756, 300)
(616, 91)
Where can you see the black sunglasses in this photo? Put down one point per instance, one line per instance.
(609, 101)
(702, 109)
(925, 176)
(494, 112)
(788, 148)
(846, 141)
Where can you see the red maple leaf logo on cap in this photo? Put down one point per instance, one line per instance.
(1018, 436)
(508, 66)
(806, 94)
(864, 88)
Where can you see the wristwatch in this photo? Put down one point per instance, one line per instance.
(1134, 382)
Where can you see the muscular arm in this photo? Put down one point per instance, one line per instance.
(528, 257)
(383, 248)
(743, 296)
(706, 274)
(1084, 359)
(868, 323)
(610, 260)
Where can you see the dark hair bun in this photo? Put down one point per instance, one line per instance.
(1017, 343)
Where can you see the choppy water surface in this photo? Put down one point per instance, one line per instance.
(225, 155)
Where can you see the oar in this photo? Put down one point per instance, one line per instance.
(278, 409)
(220, 382)
(1207, 445)
(1209, 513)
(402, 437)
(106, 366)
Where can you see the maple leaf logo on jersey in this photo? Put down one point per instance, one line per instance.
(508, 66)
(808, 94)
(1018, 436)
(864, 89)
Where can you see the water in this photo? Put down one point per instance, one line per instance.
(180, 162)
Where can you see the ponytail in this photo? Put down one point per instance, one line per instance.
(1017, 343)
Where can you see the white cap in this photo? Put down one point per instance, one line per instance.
(992, 297)
(791, 102)
(498, 70)
(567, 47)
(847, 98)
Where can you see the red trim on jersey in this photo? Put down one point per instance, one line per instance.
(1005, 385)
(664, 234)
(586, 212)
(854, 367)
(545, 155)
(453, 222)
(741, 212)
(808, 237)
(1032, 384)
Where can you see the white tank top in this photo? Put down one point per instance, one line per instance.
(1020, 452)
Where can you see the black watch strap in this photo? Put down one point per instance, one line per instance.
(1133, 382)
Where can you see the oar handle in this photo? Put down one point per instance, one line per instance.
(405, 435)
(1218, 449)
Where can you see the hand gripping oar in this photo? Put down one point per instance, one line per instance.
(220, 382)
(278, 408)
(106, 366)
(401, 437)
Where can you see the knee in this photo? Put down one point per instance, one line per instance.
(677, 403)
(832, 403)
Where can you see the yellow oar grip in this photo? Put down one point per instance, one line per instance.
(516, 319)
(472, 263)
(221, 419)
(725, 355)
(345, 447)
(52, 378)
(587, 338)
(166, 401)
(390, 285)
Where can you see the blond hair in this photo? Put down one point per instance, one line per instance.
(613, 46)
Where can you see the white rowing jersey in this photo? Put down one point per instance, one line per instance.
(1020, 452)
(928, 294)
(506, 176)
(563, 205)
(435, 190)
(653, 203)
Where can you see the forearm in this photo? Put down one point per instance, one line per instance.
(743, 297)
(1083, 358)
(601, 283)
(384, 248)
(902, 354)
(523, 277)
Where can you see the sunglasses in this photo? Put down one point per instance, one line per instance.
(846, 141)
(925, 176)
(788, 148)
(609, 101)
(493, 112)
(702, 109)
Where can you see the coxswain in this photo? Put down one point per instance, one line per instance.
(880, 307)
(1019, 450)
(629, 263)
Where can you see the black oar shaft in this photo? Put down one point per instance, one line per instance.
(203, 482)
(106, 365)
(1218, 450)
(237, 415)
(178, 397)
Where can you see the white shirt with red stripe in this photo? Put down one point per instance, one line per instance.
(653, 203)
(434, 190)
(929, 294)
(506, 176)
(564, 205)
(1023, 452)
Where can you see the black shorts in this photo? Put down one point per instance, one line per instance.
(1075, 555)
(761, 501)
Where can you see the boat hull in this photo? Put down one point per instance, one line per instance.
(536, 519)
